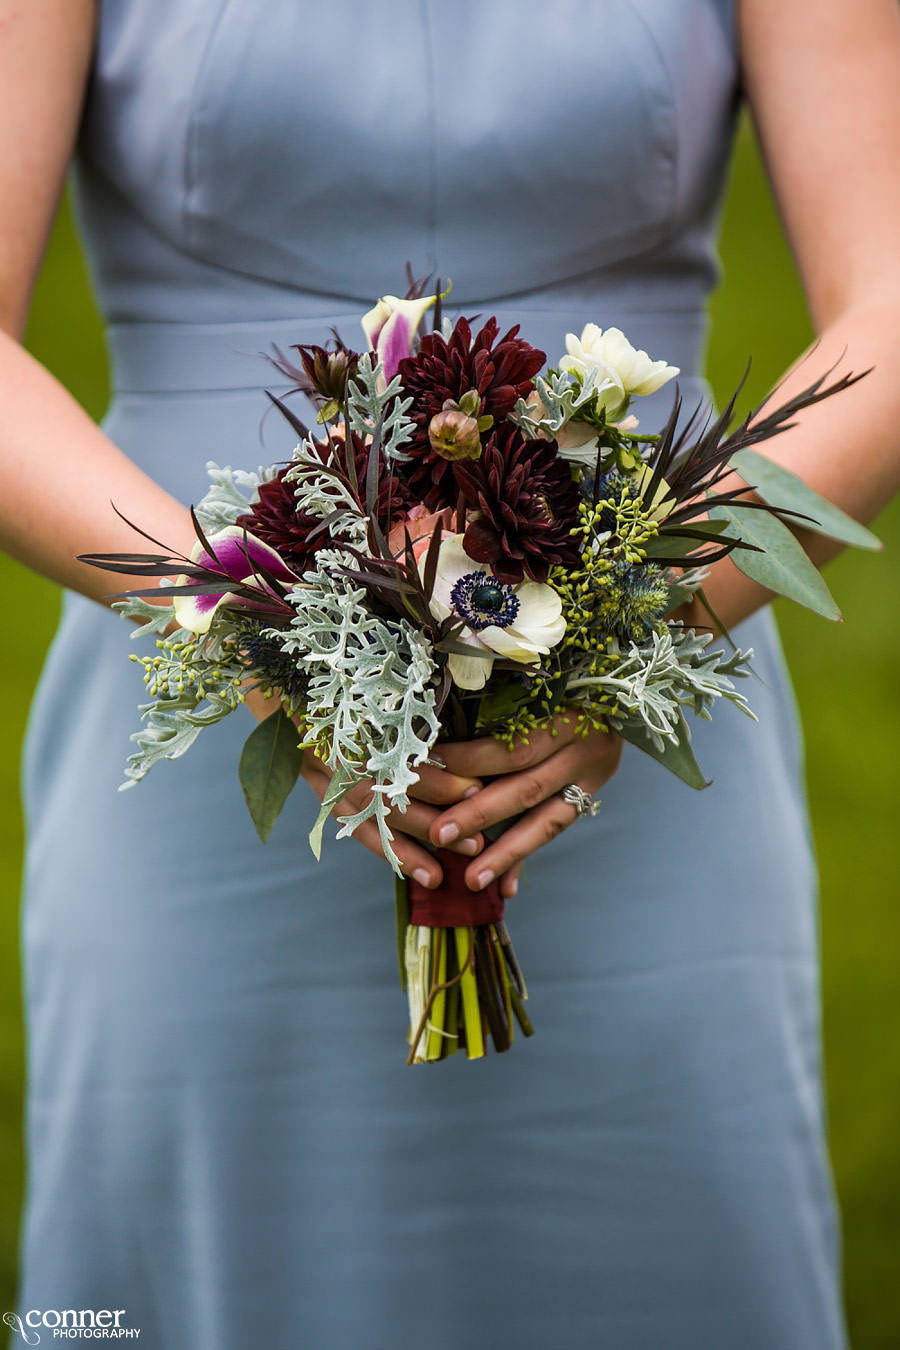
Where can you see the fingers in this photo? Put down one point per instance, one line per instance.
(509, 881)
(487, 757)
(507, 854)
(416, 861)
(441, 787)
(416, 820)
(517, 792)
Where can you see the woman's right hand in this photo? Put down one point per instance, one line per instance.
(435, 792)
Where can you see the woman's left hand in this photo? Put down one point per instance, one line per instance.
(531, 776)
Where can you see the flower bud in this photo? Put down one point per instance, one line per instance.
(328, 371)
(454, 435)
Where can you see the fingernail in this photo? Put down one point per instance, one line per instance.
(448, 833)
(513, 887)
(436, 758)
(469, 846)
(484, 879)
(423, 877)
(470, 792)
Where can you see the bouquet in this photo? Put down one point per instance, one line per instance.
(466, 543)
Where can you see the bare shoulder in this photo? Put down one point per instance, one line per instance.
(823, 81)
(45, 56)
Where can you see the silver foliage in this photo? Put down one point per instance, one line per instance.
(231, 494)
(371, 694)
(655, 682)
(564, 396)
(192, 681)
(153, 618)
(369, 407)
(321, 492)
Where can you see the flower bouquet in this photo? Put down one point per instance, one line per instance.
(466, 543)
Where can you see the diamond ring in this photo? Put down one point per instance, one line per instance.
(584, 803)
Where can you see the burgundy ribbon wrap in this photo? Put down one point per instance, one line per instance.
(453, 905)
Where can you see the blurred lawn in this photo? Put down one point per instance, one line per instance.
(846, 677)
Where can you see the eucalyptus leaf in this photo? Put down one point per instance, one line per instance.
(678, 757)
(269, 767)
(780, 487)
(783, 566)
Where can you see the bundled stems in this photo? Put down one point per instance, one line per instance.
(465, 988)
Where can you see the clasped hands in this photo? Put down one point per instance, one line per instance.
(481, 784)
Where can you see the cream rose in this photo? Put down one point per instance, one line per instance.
(628, 370)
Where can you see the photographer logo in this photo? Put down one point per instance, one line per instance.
(71, 1324)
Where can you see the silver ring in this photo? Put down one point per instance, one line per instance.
(584, 803)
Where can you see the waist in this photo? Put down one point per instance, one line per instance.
(154, 357)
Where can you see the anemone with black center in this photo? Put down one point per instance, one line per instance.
(483, 601)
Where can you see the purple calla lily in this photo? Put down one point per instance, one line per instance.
(390, 327)
(240, 557)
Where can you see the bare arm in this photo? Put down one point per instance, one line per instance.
(824, 86)
(58, 471)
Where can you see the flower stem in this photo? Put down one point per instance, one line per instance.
(521, 1014)
(465, 951)
(435, 1032)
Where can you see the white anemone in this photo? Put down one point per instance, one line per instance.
(517, 622)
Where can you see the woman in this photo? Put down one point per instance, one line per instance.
(223, 1140)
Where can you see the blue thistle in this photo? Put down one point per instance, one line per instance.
(264, 658)
(632, 602)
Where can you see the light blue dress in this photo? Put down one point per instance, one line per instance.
(224, 1138)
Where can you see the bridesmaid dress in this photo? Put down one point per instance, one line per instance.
(224, 1140)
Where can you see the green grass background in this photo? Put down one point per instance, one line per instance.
(847, 680)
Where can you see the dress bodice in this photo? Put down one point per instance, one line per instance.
(242, 162)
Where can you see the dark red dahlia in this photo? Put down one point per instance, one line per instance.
(527, 502)
(499, 371)
(274, 518)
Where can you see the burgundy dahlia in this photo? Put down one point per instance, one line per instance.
(274, 518)
(527, 504)
(499, 371)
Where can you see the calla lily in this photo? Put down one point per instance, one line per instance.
(390, 327)
(517, 622)
(236, 555)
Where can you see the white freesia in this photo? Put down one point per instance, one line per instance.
(628, 370)
(536, 626)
